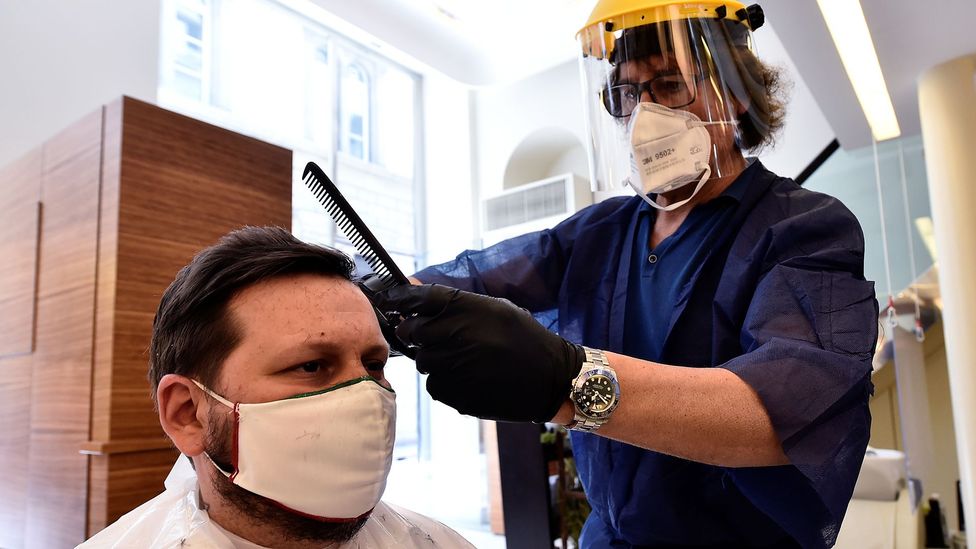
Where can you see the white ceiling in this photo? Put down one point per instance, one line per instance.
(909, 36)
(481, 43)
(475, 42)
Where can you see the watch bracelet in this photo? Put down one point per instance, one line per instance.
(597, 358)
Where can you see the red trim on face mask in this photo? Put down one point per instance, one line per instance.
(237, 429)
(316, 517)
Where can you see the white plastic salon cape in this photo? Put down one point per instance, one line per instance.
(174, 519)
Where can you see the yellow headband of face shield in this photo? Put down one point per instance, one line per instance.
(612, 17)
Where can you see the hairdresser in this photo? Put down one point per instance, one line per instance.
(710, 339)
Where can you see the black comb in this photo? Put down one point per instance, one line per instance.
(385, 274)
(351, 225)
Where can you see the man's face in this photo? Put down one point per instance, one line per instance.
(710, 104)
(299, 334)
(706, 105)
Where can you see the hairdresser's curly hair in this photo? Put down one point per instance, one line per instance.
(768, 92)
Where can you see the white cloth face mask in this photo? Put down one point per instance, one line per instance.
(324, 455)
(669, 149)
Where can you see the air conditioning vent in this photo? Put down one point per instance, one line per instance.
(533, 206)
(517, 208)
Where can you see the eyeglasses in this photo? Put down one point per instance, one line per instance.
(670, 90)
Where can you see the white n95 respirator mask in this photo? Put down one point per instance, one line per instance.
(325, 455)
(669, 149)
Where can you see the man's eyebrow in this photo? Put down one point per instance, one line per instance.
(378, 350)
(331, 347)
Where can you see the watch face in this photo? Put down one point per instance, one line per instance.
(597, 394)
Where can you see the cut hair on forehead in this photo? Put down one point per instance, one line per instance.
(193, 330)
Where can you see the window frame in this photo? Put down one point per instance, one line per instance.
(174, 35)
(349, 62)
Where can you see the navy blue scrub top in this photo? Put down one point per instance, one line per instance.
(771, 287)
(657, 275)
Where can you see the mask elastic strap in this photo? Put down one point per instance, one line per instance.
(230, 405)
(217, 467)
(217, 397)
(670, 207)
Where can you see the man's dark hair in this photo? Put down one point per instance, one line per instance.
(193, 331)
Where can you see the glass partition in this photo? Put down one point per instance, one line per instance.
(850, 177)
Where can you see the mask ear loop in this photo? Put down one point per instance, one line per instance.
(230, 405)
(216, 397)
(670, 207)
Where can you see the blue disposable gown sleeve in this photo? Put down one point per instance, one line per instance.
(809, 336)
(527, 270)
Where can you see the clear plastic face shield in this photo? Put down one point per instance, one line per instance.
(668, 93)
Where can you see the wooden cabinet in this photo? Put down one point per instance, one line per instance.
(20, 222)
(94, 225)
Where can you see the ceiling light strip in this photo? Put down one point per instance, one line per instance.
(849, 29)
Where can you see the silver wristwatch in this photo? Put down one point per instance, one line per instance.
(595, 393)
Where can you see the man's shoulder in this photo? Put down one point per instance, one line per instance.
(785, 210)
(787, 220)
(170, 519)
(390, 521)
(141, 525)
(785, 198)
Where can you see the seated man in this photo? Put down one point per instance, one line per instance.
(266, 365)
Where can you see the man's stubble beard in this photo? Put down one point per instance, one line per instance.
(263, 511)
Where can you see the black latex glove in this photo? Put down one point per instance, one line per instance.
(370, 284)
(485, 356)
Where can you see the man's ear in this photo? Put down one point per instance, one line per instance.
(181, 411)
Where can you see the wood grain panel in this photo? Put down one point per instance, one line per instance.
(20, 185)
(130, 194)
(15, 393)
(62, 364)
(176, 186)
(108, 223)
(131, 479)
(184, 184)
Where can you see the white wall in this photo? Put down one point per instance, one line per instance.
(506, 115)
(61, 60)
(451, 199)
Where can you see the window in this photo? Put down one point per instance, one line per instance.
(261, 68)
(318, 91)
(354, 103)
(307, 88)
(185, 62)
